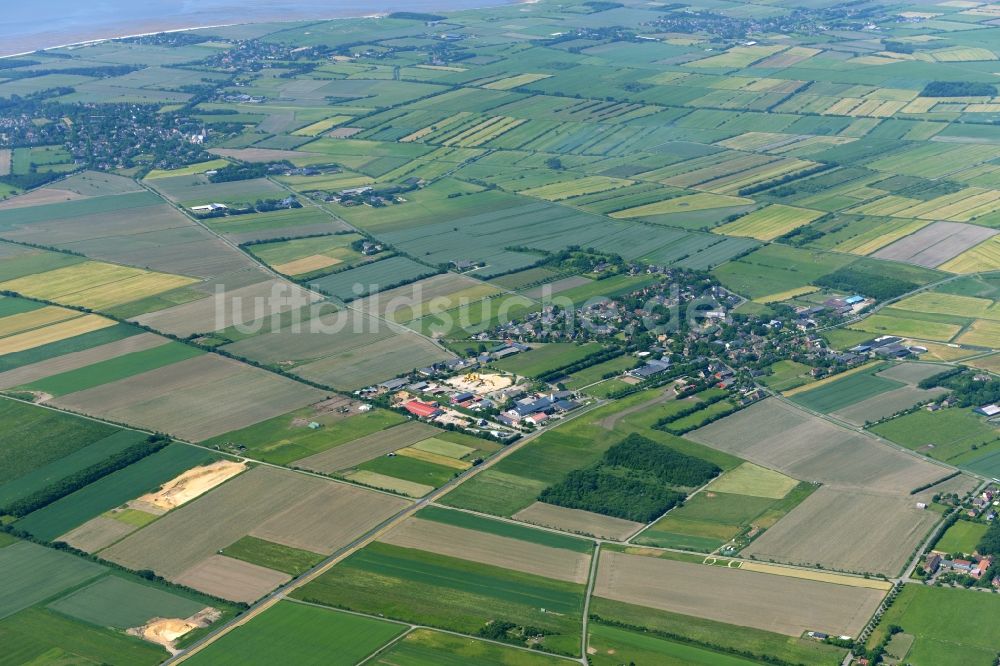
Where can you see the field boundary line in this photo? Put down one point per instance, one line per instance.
(591, 582)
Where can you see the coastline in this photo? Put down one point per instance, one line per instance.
(168, 26)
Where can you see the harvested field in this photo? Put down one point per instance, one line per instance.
(231, 579)
(885, 405)
(912, 373)
(261, 154)
(181, 539)
(5, 158)
(435, 294)
(578, 521)
(40, 197)
(34, 319)
(54, 333)
(780, 604)
(815, 532)
(365, 448)
(329, 519)
(306, 264)
(189, 485)
(935, 244)
(97, 533)
(467, 544)
(776, 435)
(75, 360)
(241, 305)
(354, 368)
(812, 574)
(215, 394)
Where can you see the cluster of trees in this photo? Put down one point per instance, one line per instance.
(966, 390)
(628, 496)
(235, 172)
(86, 476)
(855, 279)
(631, 481)
(511, 632)
(958, 89)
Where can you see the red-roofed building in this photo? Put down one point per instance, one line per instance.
(425, 410)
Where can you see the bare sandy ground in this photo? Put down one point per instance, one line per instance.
(189, 485)
(166, 631)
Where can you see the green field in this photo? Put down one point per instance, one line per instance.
(114, 369)
(439, 591)
(299, 634)
(80, 459)
(612, 646)
(954, 435)
(776, 269)
(67, 346)
(410, 469)
(279, 441)
(33, 573)
(505, 529)
(39, 636)
(116, 602)
(787, 375)
(844, 392)
(292, 561)
(595, 373)
(545, 358)
(425, 647)
(112, 490)
(936, 617)
(962, 537)
(32, 437)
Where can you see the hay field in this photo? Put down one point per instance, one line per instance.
(779, 436)
(214, 393)
(500, 551)
(97, 533)
(75, 360)
(781, 604)
(982, 257)
(388, 483)
(770, 222)
(95, 284)
(232, 579)
(54, 333)
(847, 530)
(365, 448)
(683, 204)
(578, 521)
(753, 480)
(515, 81)
(982, 333)
(33, 319)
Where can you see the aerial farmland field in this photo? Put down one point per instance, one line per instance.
(621, 332)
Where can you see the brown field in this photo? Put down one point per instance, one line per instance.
(578, 521)
(54, 333)
(354, 368)
(45, 195)
(80, 359)
(780, 604)
(215, 394)
(779, 436)
(260, 154)
(243, 304)
(935, 244)
(97, 533)
(485, 548)
(183, 538)
(886, 404)
(232, 579)
(367, 447)
(888, 528)
(189, 485)
(330, 519)
(5, 159)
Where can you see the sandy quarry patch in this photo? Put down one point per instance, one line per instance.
(166, 631)
(481, 384)
(190, 484)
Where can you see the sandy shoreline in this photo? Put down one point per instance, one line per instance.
(16, 46)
